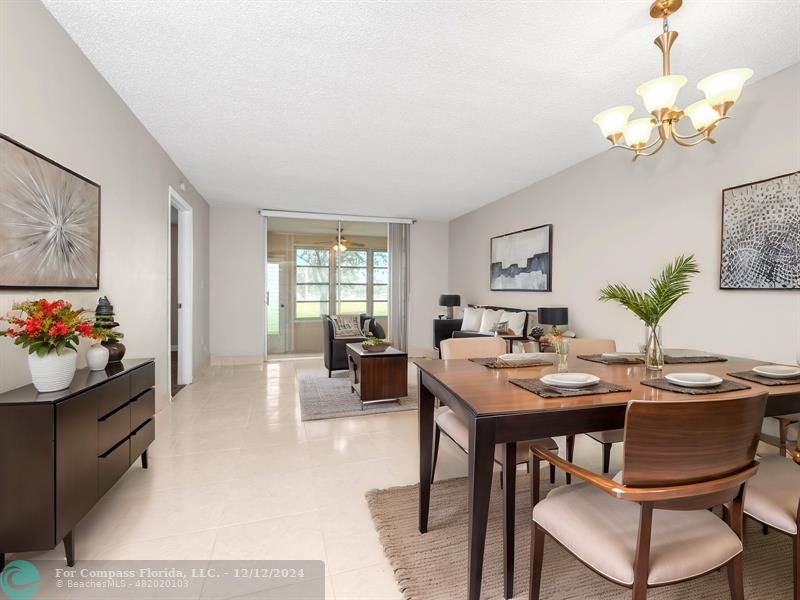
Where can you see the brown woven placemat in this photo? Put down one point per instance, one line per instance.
(616, 360)
(492, 363)
(546, 391)
(756, 378)
(726, 386)
(685, 360)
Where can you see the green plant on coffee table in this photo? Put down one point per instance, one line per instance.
(373, 341)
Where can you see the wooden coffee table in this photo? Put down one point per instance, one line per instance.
(377, 376)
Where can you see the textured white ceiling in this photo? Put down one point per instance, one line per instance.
(416, 109)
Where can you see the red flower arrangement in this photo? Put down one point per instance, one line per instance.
(42, 326)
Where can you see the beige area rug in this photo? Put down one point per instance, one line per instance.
(434, 565)
(323, 397)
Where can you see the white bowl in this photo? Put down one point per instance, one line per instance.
(694, 380)
(777, 371)
(570, 380)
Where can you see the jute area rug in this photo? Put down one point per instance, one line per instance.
(330, 398)
(434, 565)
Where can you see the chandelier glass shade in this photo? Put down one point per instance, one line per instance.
(660, 97)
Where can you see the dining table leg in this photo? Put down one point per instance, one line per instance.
(426, 409)
(481, 463)
(509, 512)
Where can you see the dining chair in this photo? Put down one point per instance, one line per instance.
(649, 525)
(773, 499)
(580, 346)
(780, 432)
(453, 427)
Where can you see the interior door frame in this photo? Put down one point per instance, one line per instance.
(185, 285)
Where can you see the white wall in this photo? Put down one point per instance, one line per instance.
(54, 101)
(429, 258)
(237, 285)
(614, 220)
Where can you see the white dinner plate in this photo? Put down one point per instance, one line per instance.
(696, 380)
(777, 371)
(570, 380)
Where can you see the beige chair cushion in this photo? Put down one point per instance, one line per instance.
(591, 346)
(608, 437)
(472, 347)
(602, 532)
(773, 493)
(457, 430)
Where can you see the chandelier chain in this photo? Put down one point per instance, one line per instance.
(666, 24)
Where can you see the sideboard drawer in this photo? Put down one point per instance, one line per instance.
(112, 465)
(142, 438)
(142, 378)
(142, 408)
(113, 428)
(112, 395)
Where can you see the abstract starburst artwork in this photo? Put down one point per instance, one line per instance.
(49, 223)
(761, 235)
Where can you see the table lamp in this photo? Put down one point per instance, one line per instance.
(449, 301)
(553, 315)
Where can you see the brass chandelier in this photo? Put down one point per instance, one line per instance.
(722, 90)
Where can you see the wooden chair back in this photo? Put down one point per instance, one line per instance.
(591, 346)
(472, 347)
(690, 441)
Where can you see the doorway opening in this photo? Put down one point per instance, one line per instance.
(180, 292)
(321, 267)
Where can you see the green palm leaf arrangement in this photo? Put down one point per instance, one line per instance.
(665, 290)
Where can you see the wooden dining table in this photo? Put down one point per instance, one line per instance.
(499, 412)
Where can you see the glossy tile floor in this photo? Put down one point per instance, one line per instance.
(235, 474)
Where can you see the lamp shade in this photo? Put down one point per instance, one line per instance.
(449, 300)
(553, 315)
(661, 92)
(702, 114)
(725, 86)
(637, 133)
(614, 120)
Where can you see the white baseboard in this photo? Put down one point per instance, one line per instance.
(228, 361)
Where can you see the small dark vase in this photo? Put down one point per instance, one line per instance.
(116, 350)
(104, 318)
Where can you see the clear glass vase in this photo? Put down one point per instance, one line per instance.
(653, 348)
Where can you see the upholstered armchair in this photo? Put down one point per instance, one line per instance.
(335, 349)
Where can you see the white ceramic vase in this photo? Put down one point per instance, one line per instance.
(52, 372)
(97, 357)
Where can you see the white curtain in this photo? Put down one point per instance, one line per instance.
(399, 250)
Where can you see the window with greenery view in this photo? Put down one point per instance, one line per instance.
(352, 275)
(362, 276)
(380, 283)
(312, 282)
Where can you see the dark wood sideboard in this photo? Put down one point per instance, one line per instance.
(60, 452)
